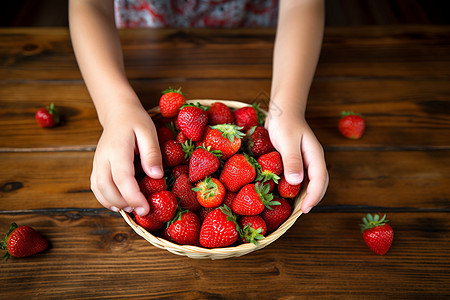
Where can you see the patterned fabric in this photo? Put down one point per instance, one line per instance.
(196, 13)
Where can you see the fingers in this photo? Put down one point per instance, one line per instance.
(150, 153)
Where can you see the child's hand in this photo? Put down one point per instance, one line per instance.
(128, 130)
(300, 150)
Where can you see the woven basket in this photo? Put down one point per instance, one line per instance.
(217, 253)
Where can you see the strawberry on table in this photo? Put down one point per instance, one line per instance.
(226, 138)
(182, 189)
(48, 116)
(277, 214)
(254, 228)
(210, 192)
(192, 120)
(258, 141)
(149, 185)
(271, 166)
(219, 229)
(171, 101)
(238, 171)
(184, 229)
(377, 234)
(203, 162)
(248, 116)
(287, 190)
(219, 113)
(252, 199)
(351, 125)
(23, 241)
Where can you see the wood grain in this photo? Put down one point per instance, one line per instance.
(321, 256)
(408, 51)
(365, 180)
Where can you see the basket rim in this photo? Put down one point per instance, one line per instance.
(224, 252)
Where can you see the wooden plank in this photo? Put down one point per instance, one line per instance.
(415, 51)
(321, 256)
(399, 113)
(411, 180)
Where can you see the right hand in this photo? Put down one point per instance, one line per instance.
(127, 130)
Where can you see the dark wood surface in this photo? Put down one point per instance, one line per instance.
(398, 77)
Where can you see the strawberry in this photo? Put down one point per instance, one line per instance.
(276, 215)
(47, 116)
(181, 138)
(248, 116)
(171, 101)
(148, 222)
(258, 141)
(287, 190)
(184, 229)
(203, 212)
(149, 185)
(172, 154)
(253, 229)
(22, 241)
(229, 198)
(203, 163)
(219, 113)
(164, 134)
(351, 125)
(252, 199)
(180, 169)
(225, 138)
(270, 183)
(377, 234)
(238, 171)
(163, 206)
(182, 189)
(219, 229)
(271, 166)
(210, 192)
(192, 120)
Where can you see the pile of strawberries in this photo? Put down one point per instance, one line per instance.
(224, 182)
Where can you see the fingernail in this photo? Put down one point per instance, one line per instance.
(128, 209)
(306, 210)
(114, 209)
(294, 178)
(140, 211)
(156, 171)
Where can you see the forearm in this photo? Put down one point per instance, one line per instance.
(99, 55)
(296, 53)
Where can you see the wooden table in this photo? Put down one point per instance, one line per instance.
(398, 77)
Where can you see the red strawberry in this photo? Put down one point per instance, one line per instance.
(229, 198)
(238, 171)
(164, 134)
(181, 138)
(377, 234)
(163, 206)
(258, 141)
(203, 212)
(203, 163)
(253, 228)
(192, 120)
(171, 101)
(184, 229)
(47, 116)
(210, 192)
(225, 138)
(270, 183)
(271, 166)
(148, 222)
(252, 199)
(201, 142)
(22, 241)
(219, 113)
(351, 125)
(172, 154)
(180, 169)
(248, 116)
(149, 185)
(182, 188)
(219, 229)
(277, 214)
(287, 190)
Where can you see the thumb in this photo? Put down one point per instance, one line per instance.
(150, 153)
(292, 162)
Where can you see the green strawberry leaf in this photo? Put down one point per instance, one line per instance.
(370, 221)
(172, 90)
(229, 131)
